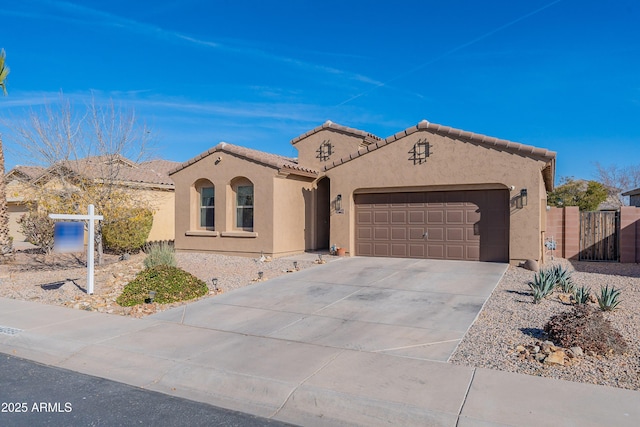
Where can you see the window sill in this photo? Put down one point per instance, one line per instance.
(203, 233)
(245, 234)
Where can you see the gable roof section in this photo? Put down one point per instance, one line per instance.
(498, 144)
(153, 173)
(25, 173)
(633, 192)
(367, 138)
(283, 164)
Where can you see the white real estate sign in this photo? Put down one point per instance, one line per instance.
(92, 218)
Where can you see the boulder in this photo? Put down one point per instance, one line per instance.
(531, 264)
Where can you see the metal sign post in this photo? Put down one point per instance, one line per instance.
(92, 218)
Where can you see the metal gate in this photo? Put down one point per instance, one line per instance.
(599, 240)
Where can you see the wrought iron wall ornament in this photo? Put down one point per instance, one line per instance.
(324, 151)
(420, 151)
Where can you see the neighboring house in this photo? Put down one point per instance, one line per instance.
(634, 197)
(150, 180)
(429, 191)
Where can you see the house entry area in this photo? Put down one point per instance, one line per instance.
(458, 225)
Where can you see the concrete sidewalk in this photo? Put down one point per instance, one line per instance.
(354, 342)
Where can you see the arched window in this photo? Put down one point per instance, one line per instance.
(243, 189)
(206, 196)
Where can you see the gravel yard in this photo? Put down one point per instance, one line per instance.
(508, 319)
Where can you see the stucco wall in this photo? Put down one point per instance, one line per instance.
(452, 165)
(278, 226)
(342, 144)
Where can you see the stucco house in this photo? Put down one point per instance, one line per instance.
(149, 180)
(429, 191)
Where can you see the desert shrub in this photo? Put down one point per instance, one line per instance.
(582, 294)
(128, 230)
(608, 298)
(585, 327)
(542, 285)
(171, 284)
(38, 229)
(160, 254)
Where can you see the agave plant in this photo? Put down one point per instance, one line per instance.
(562, 278)
(542, 285)
(582, 294)
(608, 298)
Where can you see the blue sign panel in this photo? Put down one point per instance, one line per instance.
(68, 237)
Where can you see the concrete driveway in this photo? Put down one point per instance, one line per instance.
(404, 307)
(358, 341)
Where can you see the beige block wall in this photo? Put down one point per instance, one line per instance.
(452, 165)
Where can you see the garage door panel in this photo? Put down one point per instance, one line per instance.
(472, 225)
(380, 217)
(455, 216)
(435, 234)
(416, 233)
(381, 249)
(398, 233)
(398, 217)
(399, 251)
(364, 233)
(416, 251)
(455, 252)
(381, 233)
(416, 217)
(455, 234)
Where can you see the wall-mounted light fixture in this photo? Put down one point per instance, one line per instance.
(523, 197)
(339, 203)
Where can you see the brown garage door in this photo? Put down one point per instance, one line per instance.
(462, 225)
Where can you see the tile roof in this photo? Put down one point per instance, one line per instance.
(28, 172)
(487, 141)
(118, 168)
(280, 162)
(368, 138)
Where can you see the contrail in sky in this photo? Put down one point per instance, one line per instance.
(449, 52)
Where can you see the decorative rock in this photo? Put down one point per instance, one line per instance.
(540, 357)
(531, 264)
(520, 349)
(577, 351)
(535, 349)
(555, 358)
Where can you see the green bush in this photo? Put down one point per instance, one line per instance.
(171, 284)
(128, 231)
(38, 229)
(160, 254)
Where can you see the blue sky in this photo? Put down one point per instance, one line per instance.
(563, 75)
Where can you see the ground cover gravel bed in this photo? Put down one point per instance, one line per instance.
(60, 279)
(508, 319)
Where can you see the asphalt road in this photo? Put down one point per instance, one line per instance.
(32, 394)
